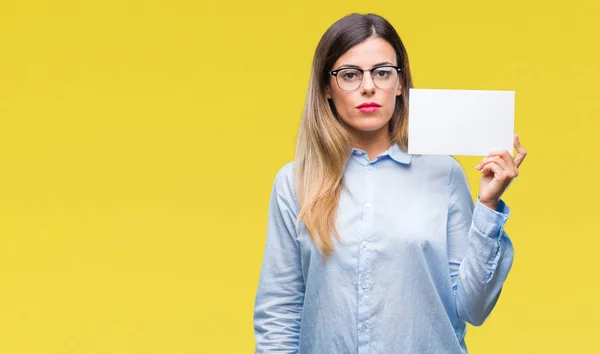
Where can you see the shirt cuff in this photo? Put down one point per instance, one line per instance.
(490, 222)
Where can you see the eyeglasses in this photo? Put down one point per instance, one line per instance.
(350, 79)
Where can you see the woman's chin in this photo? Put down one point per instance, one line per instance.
(370, 125)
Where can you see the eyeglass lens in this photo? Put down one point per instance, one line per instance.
(350, 79)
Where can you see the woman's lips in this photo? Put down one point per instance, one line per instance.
(369, 109)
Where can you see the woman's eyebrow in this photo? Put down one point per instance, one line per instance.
(356, 66)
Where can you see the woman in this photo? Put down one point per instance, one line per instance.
(370, 249)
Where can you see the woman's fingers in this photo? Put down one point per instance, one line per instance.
(509, 166)
(521, 152)
(505, 155)
(497, 159)
(500, 168)
(491, 166)
(503, 159)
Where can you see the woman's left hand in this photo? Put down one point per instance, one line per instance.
(498, 170)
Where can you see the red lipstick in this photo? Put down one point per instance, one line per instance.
(368, 107)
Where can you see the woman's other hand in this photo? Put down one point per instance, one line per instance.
(498, 170)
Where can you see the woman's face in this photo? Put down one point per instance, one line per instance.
(372, 52)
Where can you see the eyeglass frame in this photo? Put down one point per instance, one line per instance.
(362, 71)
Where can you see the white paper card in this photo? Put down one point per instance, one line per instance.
(460, 122)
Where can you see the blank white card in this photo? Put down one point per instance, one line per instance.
(460, 122)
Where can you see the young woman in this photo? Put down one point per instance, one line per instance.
(370, 249)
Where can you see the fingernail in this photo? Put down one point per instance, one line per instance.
(477, 167)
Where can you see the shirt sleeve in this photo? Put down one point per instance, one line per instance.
(280, 295)
(480, 252)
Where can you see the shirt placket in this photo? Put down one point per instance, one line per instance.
(364, 263)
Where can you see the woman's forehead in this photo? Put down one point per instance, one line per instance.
(371, 52)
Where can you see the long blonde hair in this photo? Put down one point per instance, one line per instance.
(323, 147)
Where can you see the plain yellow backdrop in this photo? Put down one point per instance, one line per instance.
(139, 141)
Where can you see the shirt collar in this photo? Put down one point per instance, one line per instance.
(399, 155)
(394, 151)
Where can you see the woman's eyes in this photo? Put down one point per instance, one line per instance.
(349, 75)
(382, 73)
(352, 75)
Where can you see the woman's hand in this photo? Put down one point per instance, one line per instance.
(498, 170)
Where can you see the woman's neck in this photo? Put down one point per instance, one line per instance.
(373, 143)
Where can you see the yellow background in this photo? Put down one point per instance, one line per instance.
(139, 141)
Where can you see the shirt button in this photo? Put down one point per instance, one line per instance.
(368, 205)
(364, 327)
(370, 167)
(364, 286)
(364, 244)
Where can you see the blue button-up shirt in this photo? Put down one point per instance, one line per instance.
(417, 259)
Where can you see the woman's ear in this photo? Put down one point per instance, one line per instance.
(399, 91)
(327, 94)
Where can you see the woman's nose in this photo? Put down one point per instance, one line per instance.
(368, 86)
